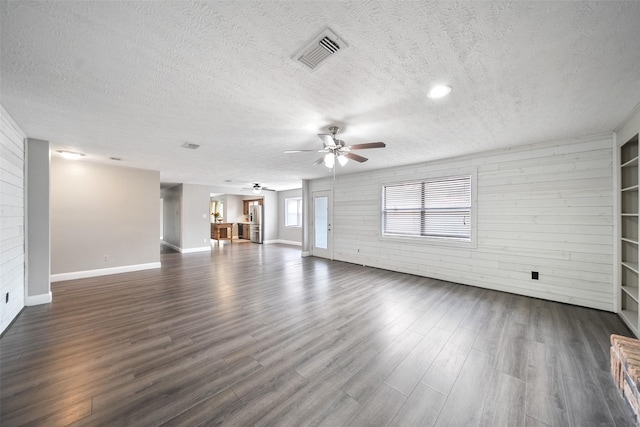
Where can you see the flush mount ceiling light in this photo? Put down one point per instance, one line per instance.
(70, 155)
(439, 91)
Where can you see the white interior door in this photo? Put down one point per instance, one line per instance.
(322, 229)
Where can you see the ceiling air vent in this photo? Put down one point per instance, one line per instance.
(190, 145)
(323, 46)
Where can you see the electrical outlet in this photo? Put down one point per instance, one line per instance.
(106, 258)
(534, 275)
(204, 240)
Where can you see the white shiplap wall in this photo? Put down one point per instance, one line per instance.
(546, 207)
(12, 230)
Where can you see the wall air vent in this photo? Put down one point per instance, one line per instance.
(327, 43)
(190, 145)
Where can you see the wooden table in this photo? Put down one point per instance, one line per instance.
(222, 231)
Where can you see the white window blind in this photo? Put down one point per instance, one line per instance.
(430, 208)
(293, 212)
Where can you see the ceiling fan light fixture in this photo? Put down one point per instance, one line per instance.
(329, 160)
(257, 189)
(343, 160)
(439, 91)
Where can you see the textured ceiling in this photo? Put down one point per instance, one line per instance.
(138, 79)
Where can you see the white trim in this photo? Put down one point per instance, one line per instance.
(634, 114)
(172, 246)
(284, 242)
(103, 271)
(186, 251)
(306, 253)
(191, 250)
(38, 299)
(617, 232)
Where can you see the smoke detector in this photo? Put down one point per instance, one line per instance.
(324, 45)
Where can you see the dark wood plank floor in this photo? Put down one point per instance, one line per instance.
(256, 335)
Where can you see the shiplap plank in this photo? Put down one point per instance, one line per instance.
(564, 237)
(593, 230)
(527, 220)
(568, 195)
(10, 189)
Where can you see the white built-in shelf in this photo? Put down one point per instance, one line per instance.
(631, 291)
(633, 266)
(631, 318)
(630, 163)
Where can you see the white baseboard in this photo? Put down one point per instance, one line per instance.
(306, 253)
(284, 242)
(172, 246)
(38, 299)
(191, 250)
(103, 271)
(186, 251)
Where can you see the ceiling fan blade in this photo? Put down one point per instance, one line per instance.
(299, 151)
(319, 161)
(355, 157)
(327, 139)
(367, 145)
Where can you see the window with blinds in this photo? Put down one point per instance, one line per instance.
(431, 208)
(293, 212)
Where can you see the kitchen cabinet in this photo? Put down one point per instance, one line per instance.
(247, 203)
(243, 231)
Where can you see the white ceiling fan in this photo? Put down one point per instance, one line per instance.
(336, 149)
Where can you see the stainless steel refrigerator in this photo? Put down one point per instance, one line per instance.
(255, 228)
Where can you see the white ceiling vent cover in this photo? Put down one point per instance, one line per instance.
(190, 145)
(323, 46)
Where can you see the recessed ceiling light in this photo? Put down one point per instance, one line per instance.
(70, 155)
(439, 91)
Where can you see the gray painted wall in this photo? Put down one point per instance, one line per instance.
(100, 211)
(270, 228)
(38, 227)
(288, 234)
(195, 221)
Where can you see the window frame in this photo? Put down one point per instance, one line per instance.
(435, 240)
(286, 211)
